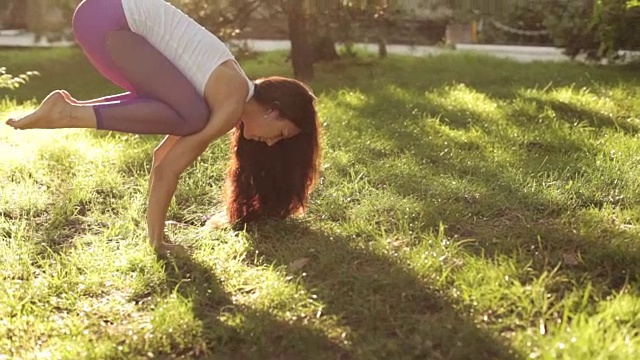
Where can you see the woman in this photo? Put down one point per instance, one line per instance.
(183, 82)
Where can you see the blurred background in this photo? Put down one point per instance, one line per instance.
(596, 29)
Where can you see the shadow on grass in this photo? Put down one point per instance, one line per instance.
(566, 111)
(498, 78)
(390, 311)
(258, 335)
(505, 218)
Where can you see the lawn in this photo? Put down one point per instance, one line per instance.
(469, 208)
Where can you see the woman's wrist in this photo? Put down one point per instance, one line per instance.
(156, 234)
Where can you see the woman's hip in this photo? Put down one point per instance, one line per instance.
(94, 19)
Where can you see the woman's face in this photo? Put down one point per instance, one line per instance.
(268, 126)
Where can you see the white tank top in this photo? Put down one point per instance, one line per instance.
(195, 51)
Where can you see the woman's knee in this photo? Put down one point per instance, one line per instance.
(79, 23)
(84, 19)
(93, 20)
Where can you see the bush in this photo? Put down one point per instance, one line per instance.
(569, 25)
(8, 81)
(522, 16)
(617, 26)
(226, 21)
(595, 28)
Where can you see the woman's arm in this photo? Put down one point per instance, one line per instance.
(183, 152)
(160, 152)
(163, 148)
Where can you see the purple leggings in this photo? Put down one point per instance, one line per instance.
(160, 99)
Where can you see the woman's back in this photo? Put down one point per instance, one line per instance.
(191, 48)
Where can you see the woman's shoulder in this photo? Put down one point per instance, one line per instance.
(227, 83)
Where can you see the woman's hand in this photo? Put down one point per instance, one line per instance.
(163, 246)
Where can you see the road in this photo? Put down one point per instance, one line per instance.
(517, 53)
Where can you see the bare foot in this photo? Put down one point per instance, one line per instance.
(53, 113)
(70, 99)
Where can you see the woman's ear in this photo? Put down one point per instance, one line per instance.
(272, 113)
(275, 112)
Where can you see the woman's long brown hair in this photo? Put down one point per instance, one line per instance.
(275, 181)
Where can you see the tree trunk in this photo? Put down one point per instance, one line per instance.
(381, 23)
(324, 48)
(382, 47)
(301, 50)
(322, 41)
(17, 15)
(35, 16)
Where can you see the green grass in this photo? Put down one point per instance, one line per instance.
(469, 208)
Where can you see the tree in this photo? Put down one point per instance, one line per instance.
(382, 20)
(596, 28)
(323, 39)
(35, 16)
(49, 18)
(349, 21)
(298, 16)
(345, 22)
(14, 14)
(226, 19)
(616, 24)
(301, 50)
